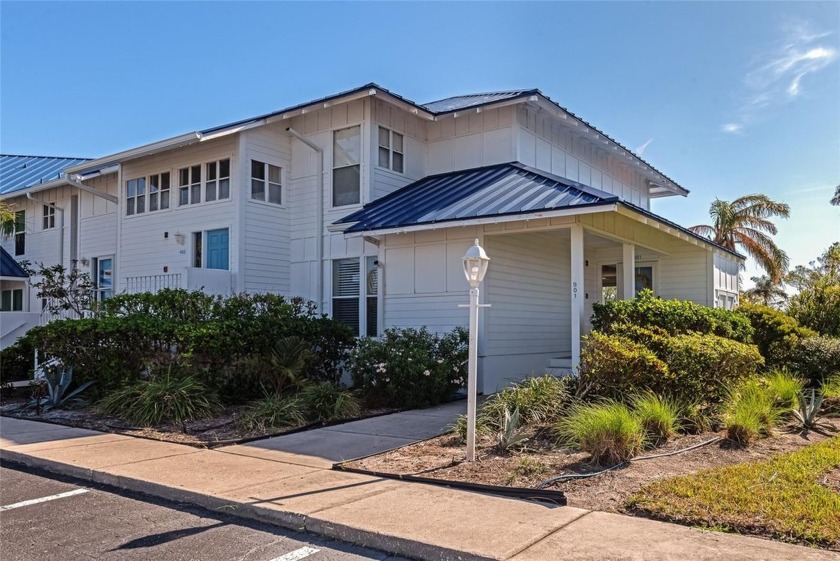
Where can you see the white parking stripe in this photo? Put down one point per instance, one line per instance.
(297, 554)
(44, 499)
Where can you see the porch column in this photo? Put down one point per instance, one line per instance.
(577, 292)
(629, 277)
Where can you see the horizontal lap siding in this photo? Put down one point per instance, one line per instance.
(683, 274)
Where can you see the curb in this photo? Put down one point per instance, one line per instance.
(392, 545)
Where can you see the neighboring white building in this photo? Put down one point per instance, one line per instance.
(365, 202)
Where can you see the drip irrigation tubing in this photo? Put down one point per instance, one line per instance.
(554, 480)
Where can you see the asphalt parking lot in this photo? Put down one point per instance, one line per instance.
(49, 518)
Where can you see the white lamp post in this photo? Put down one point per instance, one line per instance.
(475, 267)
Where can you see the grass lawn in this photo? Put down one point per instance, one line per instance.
(786, 497)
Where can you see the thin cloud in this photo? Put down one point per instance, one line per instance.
(777, 77)
(641, 149)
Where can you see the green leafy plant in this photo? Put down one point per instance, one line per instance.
(750, 412)
(51, 392)
(808, 410)
(775, 333)
(325, 402)
(660, 416)
(511, 432)
(272, 412)
(784, 387)
(165, 398)
(607, 430)
(815, 358)
(286, 363)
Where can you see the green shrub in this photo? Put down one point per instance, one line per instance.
(775, 333)
(613, 366)
(410, 367)
(17, 361)
(165, 398)
(750, 412)
(607, 430)
(784, 387)
(673, 316)
(830, 389)
(325, 402)
(272, 412)
(660, 416)
(818, 305)
(816, 358)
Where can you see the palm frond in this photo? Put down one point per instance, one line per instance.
(835, 200)
(703, 230)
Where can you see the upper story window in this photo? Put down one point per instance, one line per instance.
(217, 182)
(390, 150)
(20, 232)
(189, 185)
(347, 151)
(135, 196)
(159, 191)
(49, 216)
(265, 182)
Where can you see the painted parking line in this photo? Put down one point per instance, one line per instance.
(297, 554)
(43, 499)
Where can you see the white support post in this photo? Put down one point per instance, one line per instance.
(629, 276)
(472, 378)
(577, 291)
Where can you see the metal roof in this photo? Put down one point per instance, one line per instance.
(460, 102)
(9, 267)
(498, 190)
(20, 172)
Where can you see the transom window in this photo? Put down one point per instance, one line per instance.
(217, 183)
(355, 296)
(49, 216)
(390, 150)
(346, 175)
(265, 182)
(189, 185)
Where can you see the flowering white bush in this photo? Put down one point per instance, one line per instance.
(411, 367)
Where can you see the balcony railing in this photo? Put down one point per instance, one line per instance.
(152, 283)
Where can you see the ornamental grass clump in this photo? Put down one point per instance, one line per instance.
(784, 387)
(324, 402)
(272, 412)
(660, 416)
(608, 430)
(168, 397)
(750, 412)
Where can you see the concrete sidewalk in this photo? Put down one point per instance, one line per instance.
(426, 522)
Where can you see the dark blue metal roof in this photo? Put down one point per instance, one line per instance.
(498, 190)
(460, 102)
(9, 267)
(20, 172)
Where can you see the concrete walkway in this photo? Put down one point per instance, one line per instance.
(300, 491)
(355, 439)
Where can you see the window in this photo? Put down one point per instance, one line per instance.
(159, 191)
(49, 216)
(347, 166)
(135, 196)
(11, 300)
(609, 283)
(643, 279)
(265, 182)
(355, 298)
(103, 277)
(390, 150)
(726, 300)
(20, 232)
(211, 249)
(189, 185)
(217, 181)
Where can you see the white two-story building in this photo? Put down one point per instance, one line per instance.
(365, 203)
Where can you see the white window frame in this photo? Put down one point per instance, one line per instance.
(367, 290)
(11, 296)
(267, 181)
(218, 180)
(135, 203)
(49, 216)
(726, 299)
(160, 196)
(198, 253)
(20, 233)
(388, 152)
(358, 165)
(192, 187)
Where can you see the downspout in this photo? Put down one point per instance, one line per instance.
(61, 228)
(319, 213)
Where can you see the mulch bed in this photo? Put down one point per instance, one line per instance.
(220, 430)
(442, 458)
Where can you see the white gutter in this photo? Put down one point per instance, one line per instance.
(609, 207)
(319, 213)
(61, 225)
(145, 150)
(74, 181)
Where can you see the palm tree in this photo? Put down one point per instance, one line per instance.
(7, 220)
(835, 200)
(743, 223)
(766, 291)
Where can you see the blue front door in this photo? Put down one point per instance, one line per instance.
(217, 249)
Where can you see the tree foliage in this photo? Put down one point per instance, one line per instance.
(766, 292)
(817, 305)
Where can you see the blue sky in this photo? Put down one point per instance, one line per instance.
(726, 98)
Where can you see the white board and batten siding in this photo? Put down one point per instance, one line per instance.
(470, 140)
(725, 279)
(550, 144)
(149, 241)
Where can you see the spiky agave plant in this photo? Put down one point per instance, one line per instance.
(808, 410)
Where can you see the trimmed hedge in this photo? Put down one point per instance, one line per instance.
(674, 316)
(17, 361)
(776, 333)
(691, 367)
(816, 358)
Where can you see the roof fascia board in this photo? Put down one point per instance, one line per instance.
(139, 152)
(478, 108)
(659, 224)
(36, 188)
(538, 215)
